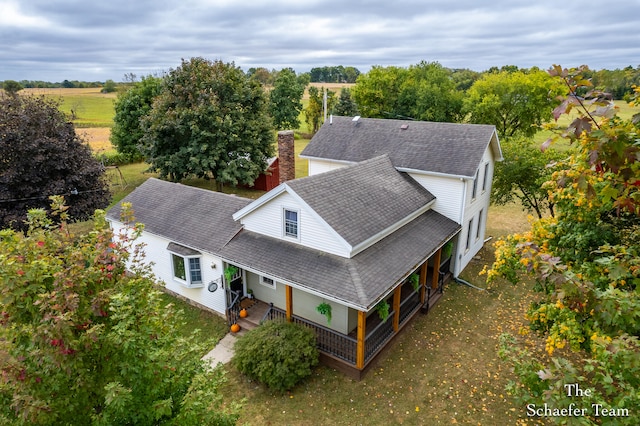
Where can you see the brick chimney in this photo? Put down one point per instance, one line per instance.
(286, 155)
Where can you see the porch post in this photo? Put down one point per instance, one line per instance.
(362, 322)
(423, 281)
(396, 308)
(436, 269)
(289, 301)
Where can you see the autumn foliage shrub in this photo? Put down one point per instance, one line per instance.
(85, 337)
(277, 354)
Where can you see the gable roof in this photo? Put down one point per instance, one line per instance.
(361, 281)
(360, 201)
(193, 217)
(449, 148)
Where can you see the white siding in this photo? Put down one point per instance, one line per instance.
(268, 220)
(304, 304)
(475, 210)
(159, 258)
(448, 192)
(321, 166)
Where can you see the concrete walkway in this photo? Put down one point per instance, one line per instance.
(223, 351)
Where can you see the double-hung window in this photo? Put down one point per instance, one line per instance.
(485, 178)
(474, 191)
(291, 223)
(186, 265)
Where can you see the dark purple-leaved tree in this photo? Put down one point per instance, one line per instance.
(41, 155)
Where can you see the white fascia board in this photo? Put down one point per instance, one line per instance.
(495, 146)
(319, 218)
(307, 157)
(259, 202)
(437, 174)
(391, 229)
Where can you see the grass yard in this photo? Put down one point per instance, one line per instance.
(212, 327)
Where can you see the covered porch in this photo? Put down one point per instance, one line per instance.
(354, 352)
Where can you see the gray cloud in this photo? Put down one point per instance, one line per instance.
(77, 40)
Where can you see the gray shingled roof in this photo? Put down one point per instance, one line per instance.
(364, 199)
(189, 216)
(449, 148)
(360, 281)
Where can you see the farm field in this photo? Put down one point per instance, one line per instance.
(88, 107)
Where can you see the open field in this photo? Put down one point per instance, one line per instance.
(88, 107)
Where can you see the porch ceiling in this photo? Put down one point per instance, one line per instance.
(360, 281)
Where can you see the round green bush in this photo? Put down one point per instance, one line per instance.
(278, 354)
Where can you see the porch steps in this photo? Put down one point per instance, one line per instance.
(255, 314)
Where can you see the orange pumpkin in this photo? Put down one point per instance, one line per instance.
(243, 313)
(235, 328)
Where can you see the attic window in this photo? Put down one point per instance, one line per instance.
(404, 127)
(290, 223)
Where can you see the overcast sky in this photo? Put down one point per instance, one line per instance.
(54, 40)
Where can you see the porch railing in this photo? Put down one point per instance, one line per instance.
(343, 346)
(409, 306)
(328, 341)
(378, 337)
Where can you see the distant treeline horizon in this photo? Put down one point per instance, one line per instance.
(617, 82)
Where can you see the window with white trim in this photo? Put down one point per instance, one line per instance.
(479, 227)
(291, 223)
(474, 191)
(187, 270)
(485, 178)
(467, 246)
(267, 282)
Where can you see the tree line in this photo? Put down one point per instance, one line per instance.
(617, 82)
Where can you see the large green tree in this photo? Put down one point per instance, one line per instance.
(286, 100)
(522, 174)
(130, 107)
(424, 91)
(585, 263)
(516, 102)
(85, 338)
(211, 121)
(41, 155)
